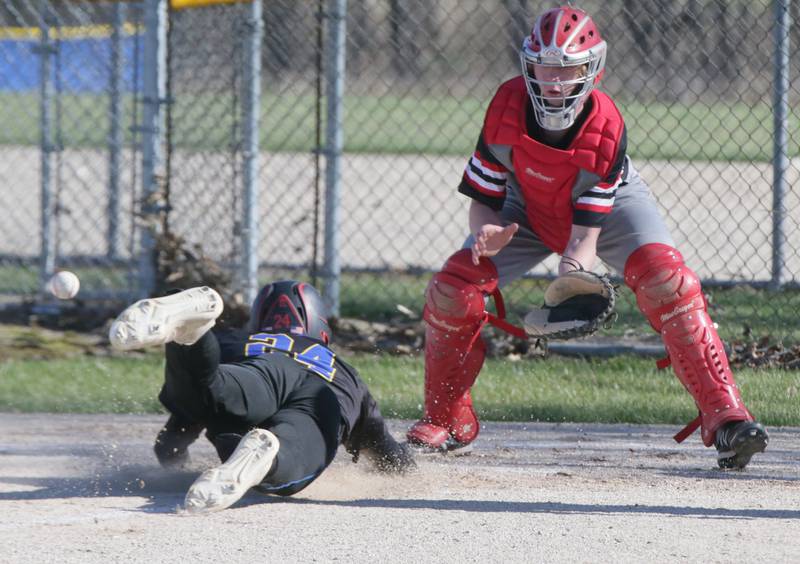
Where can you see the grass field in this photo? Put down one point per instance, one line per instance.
(413, 124)
(376, 297)
(623, 389)
(15, 279)
(733, 308)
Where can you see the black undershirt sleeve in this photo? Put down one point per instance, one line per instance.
(466, 187)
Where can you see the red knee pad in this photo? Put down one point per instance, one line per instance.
(455, 297)
(664, 286)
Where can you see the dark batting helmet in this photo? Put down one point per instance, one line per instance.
(289, 306)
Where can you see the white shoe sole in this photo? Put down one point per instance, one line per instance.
(183, 317)
(221, 487)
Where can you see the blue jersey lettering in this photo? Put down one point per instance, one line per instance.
(317, 358)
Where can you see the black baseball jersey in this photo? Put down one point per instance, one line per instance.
(310, 355)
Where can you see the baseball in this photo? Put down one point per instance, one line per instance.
(64, 285)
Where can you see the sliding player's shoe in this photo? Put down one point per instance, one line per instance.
(221, 487)
(183, 318)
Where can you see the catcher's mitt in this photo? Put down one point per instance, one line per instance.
(575, 305)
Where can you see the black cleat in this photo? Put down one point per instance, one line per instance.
(738, 441)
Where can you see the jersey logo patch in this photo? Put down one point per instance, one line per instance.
(536, 174)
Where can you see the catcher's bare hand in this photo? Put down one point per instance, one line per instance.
(490, 239)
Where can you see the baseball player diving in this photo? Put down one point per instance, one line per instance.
(275, 400)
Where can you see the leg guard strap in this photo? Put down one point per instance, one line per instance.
(684, 433)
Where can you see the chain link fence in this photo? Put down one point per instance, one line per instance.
(696, 81)
(68, 169)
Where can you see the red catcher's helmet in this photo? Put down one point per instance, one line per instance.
(289, 306)
(562, 37)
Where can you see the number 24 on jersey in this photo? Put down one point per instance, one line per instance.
(316, 357)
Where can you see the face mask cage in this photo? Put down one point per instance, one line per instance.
(553, 112)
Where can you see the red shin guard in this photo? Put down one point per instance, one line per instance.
(455, 312)
(669, 295)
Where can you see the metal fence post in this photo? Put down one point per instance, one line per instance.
(334, 142)
(47, 88)
(780, 159)
(153, 130)
(115, 139)
(251, 111)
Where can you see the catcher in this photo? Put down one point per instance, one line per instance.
(550, 175)
(274, 400)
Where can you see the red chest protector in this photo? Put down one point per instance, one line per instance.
(546, 175)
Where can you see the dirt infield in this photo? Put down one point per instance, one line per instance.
(88, 489)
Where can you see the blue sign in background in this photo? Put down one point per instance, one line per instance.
(79, 65)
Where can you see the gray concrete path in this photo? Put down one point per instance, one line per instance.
(397, 211)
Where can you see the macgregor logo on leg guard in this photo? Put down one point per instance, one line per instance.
(442, 324)
(678, 310)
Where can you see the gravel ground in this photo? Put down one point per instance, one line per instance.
(86, 488)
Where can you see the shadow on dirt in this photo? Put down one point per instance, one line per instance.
(482, 506)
